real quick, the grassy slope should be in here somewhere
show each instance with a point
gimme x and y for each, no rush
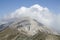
(9, 34)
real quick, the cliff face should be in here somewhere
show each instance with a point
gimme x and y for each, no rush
(27, 29)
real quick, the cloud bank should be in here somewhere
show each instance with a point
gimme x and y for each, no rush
(36, 11)
(41, 14)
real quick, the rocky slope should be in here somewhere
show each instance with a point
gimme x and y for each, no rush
(27, 29)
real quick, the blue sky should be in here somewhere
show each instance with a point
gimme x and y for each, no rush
(8, 6)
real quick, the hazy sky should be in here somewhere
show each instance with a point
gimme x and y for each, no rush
(46, 11)
(8, 6)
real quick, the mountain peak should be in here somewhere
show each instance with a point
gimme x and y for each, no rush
(27, 29)
(29, 26)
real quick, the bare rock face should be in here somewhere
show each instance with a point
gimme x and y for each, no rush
(27, 29)
(29, 26)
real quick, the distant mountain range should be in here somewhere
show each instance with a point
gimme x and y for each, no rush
(27, 28)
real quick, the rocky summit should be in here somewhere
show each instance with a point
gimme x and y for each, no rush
(26, 29)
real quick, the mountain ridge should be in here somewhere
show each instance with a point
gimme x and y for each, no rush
(27, 29)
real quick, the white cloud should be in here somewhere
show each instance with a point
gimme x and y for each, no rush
(36, 11)
(42, 14)
(58, 22)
